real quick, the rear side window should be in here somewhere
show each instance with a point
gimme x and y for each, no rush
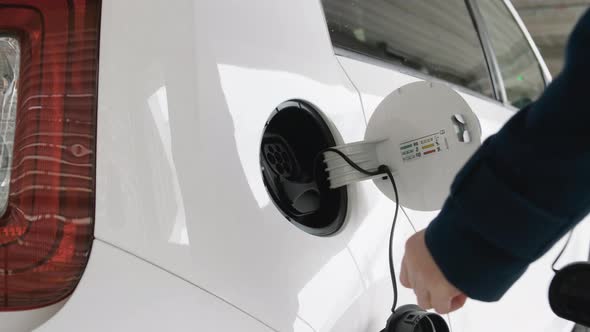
(436, 38)
(520, 69)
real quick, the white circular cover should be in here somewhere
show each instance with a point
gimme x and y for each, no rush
(425, 133)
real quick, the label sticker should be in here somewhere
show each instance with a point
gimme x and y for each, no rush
(424, 146)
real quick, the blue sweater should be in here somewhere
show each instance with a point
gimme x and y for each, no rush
(525, 188)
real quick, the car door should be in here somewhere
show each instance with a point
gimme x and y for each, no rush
(384, 45)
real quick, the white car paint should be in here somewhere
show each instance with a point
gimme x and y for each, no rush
(187, 238)
(124, 293)
(529, 295)
(215, 98)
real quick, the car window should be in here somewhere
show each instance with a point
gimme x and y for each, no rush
(437, 38)
(520, 69)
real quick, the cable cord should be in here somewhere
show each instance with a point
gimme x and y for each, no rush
(565, 245)
(381, 170)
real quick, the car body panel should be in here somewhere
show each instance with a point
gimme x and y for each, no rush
(28, 320)
(182, 106)
(121, 292)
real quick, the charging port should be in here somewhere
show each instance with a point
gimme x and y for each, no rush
(294, 135)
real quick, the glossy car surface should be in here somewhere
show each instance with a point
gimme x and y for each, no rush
(187, 237)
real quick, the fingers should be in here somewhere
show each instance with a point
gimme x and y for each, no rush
(458, 302)
(442, 305)
(423, 297)
(420, 273)
(422, 293)
(445, 301)
(403, 277)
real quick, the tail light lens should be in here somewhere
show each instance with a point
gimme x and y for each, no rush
(48, 85)
(9, 75)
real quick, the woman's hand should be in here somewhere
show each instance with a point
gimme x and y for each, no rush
(420, 273)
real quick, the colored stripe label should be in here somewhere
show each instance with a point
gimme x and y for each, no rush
(424, 146)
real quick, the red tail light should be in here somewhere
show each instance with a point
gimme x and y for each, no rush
(46, 230)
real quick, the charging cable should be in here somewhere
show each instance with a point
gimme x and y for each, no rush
(381, 170)
(565, 245)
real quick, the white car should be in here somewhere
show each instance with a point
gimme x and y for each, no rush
(157, 160)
